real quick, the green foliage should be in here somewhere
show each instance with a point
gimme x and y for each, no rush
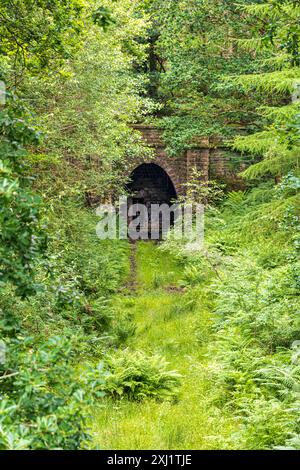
(35, 34)
(81, 94)
(199, 190)
(22, 237)
(175, 324)
(289, 185)
(136, 376)
(87, 71)
(42, 402)
(191, 276)
(218, 68)
(102, 16)
(247, 275)
(235, 201)
(46, 402)
(80, 277)
(254, 367)
(87, 109)
(282, 26)
(277, 31)
(264, 305)
(194, 49)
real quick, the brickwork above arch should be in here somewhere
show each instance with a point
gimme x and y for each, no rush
(209, 158)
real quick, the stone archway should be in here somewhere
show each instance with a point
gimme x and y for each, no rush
(177, 177)
(208, 156)
(152, 193)
(150, 183)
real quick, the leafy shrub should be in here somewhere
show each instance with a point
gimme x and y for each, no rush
(22, 237)
(43, 405)
(135, 376)
(44, 401)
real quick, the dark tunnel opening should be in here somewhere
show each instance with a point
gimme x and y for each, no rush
(150, 185)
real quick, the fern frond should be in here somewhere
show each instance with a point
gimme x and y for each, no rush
(279, 82)
(271, 11)
(252, 44)
(256, 144)
(263, 10)
(282, 113)
(278, 61)
(277, 165)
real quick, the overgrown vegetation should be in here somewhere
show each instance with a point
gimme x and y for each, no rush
(136, 377)
(203, 350)
(176, 325)
(64, 135)
(250, 273)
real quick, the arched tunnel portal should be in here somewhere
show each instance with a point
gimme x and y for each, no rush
(151, 185)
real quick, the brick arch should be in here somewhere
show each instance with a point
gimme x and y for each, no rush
(208, 156)
(168, 169)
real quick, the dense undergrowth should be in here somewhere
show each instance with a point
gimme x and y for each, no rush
(256, 311)
(68, 99)
(252, 263)
(202, 349)
(227, 319)
(69, 320)
(169, 323)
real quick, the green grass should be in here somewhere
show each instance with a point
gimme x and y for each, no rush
(169, 322)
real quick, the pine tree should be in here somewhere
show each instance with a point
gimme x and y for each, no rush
(277, 32)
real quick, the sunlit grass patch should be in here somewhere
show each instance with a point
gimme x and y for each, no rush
(156, 269)
(177, 326)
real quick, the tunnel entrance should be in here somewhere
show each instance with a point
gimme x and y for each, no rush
(151, 185)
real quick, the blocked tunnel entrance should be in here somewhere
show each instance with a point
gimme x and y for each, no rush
(150, 186)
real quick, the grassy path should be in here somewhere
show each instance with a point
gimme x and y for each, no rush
(175, 325)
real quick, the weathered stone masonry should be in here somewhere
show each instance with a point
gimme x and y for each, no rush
(208, 157)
